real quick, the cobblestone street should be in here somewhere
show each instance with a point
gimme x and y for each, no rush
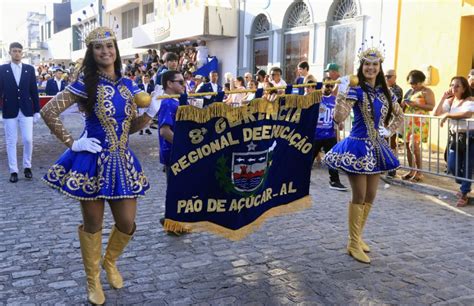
(422, 248)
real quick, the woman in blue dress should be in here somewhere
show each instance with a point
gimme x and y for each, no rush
(365, 153)
(99, 166)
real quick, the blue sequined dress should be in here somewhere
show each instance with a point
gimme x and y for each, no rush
(115, 172)
(364, 151)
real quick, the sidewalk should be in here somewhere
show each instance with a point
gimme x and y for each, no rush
(445, 188)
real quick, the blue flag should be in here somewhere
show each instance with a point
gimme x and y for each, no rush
(212, 65)
(231, 168)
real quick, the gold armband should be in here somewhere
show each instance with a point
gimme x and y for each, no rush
(343, 107)
(51, 111)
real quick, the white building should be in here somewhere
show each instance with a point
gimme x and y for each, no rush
(283, 33)
(123, 16)
(4, 56)
(83, 21)
(29, 36)
(186, 21)
(56, 33)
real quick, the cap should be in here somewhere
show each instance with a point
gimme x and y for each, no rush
(198, 76)
(332, 67)
(261, 72)
(58, 69)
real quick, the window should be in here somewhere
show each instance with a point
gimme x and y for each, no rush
(129, 21)
(48, 33)
(261, 25)
(147, 9)
(299, 16)
(260, 29)
(80, 32)
(345, 9)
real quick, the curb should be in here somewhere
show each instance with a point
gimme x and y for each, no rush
(420, 187)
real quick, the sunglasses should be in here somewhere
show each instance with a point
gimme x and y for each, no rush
(328, 86)
(181, 82)
(388, 76)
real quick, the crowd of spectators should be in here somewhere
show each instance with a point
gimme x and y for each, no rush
(189, 59)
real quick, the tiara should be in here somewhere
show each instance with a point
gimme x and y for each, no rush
(372, 53)
(100, 34)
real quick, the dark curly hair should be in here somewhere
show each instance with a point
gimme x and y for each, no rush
(379, 80)
(416, 76)
(89, 70)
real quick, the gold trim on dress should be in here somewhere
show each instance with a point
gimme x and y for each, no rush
(115, 161)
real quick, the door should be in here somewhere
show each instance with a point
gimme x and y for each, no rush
(296, 50)
(341, 47)
(260, 51)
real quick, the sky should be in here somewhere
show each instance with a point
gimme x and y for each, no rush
(13, 14)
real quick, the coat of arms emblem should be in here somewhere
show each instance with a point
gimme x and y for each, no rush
(249, 168)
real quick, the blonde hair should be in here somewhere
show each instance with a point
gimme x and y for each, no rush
(308, 78)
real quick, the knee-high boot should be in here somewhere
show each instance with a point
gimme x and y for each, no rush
(353, 247)
(363, 245)
(91, 250)
(117, 243)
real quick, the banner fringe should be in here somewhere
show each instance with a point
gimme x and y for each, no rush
(235, 235)
(260, 105)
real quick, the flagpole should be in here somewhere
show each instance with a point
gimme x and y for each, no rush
(212, 93)
(100, 12)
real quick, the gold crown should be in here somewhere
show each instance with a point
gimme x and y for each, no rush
(100, 34)
(371, 54)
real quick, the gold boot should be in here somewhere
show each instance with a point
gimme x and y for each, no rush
(353, 248)
(365, 247)
(91, 249)
(117, 242)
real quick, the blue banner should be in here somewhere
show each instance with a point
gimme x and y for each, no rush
(212, 65)
(231, 168)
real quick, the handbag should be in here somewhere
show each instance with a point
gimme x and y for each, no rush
(460, 140)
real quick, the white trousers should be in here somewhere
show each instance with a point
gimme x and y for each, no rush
(11, 138)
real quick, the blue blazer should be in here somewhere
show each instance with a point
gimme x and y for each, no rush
(159, 72)
(52, 87)
(23, 97)
(150, 87)
(207, 87)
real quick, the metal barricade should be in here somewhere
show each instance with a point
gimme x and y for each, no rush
(431, 145)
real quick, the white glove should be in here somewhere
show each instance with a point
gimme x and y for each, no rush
(91, 145)
(154, 106)
(36, 117)
(384, 132)
(343, 86)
